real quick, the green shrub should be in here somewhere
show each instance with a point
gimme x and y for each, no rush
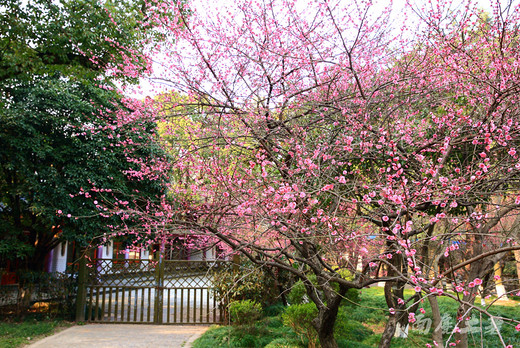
(251, 337)
(351, 298)
(509, 269)
(215, 336)
(259, 335)
(299, 317)
(284, 343)
(244, 312)
(297, 294)
(273, 322)
(246, 282)
(274, 310)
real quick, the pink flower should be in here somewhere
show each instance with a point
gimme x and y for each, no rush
(417, 289)
(391, 310)
(459, 288)
(422, 310)
(411, 317)
(471, 284)
(478, 281)
(517, 328)
(327, 187)
(59, 212)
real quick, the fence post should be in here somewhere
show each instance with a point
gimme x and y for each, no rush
(81, 296)
(159, 287)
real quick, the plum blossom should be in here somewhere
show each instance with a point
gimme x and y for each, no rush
(411, 317)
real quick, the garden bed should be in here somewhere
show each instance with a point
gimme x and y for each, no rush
(360, 325)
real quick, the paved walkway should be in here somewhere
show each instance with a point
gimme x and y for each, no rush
(122, 336)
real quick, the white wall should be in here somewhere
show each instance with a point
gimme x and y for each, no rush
(59, 258)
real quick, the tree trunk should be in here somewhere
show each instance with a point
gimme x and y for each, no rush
(517, 259)
(24, 301)
(325, 324)
(388, 334)
(476, 269)
(463, 312)
(30, 277)
(327, 314)
(461, 338)
(391, 324)
(437, 321)
(326, 337)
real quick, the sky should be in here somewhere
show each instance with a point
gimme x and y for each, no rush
(209, 8)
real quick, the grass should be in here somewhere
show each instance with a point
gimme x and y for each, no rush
(17, 334)
(370, 313)
(360, 326)
(258, 335)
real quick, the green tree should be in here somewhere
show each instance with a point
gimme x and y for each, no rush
(57, 159)
(72, 149)
(83, 39)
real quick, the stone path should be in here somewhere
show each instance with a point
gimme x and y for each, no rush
(123, 336)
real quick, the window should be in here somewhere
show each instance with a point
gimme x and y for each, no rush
(134, 254)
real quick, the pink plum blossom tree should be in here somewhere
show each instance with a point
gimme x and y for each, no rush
(323, 141)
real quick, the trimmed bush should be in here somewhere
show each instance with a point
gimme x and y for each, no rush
(244, 312)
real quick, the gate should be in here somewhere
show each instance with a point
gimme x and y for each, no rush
(148, 291)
